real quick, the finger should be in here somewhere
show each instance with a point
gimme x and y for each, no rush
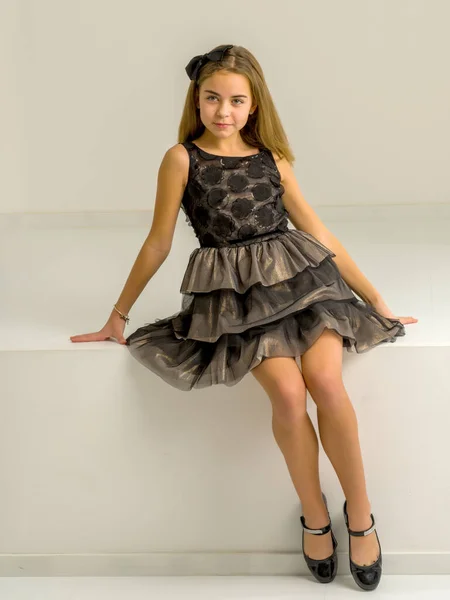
(88, 337)
(407, 320)
(118, 340)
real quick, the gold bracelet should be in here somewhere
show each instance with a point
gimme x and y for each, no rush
(126, 318)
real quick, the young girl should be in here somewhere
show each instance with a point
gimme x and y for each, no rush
(256, 295)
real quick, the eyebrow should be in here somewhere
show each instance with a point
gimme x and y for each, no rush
(217, 94)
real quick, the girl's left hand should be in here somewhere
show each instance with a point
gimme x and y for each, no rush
(381, 308)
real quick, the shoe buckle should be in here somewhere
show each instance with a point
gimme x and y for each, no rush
(369, 531)
(314, 531)
(363, 533)
(321, 531)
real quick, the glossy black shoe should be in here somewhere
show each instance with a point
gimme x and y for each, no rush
(324, 570)
(367, 577)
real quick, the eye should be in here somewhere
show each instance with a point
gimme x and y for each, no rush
(238, 99)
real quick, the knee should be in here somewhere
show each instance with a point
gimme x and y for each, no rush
(289, 402)
(326, 389)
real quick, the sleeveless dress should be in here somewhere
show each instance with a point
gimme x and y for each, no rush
(253, 288)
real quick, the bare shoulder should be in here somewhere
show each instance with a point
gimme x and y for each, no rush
(177, 158)
(172, 179)
(284, 167)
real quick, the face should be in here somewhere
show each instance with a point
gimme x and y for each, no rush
(225, 98)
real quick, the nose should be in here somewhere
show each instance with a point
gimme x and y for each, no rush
(223, 112)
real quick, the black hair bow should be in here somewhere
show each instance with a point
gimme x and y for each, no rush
(196, 63)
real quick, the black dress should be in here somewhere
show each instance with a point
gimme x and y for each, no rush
(254, 288)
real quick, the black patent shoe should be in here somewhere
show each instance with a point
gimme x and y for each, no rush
(323, 570)
(367, 577)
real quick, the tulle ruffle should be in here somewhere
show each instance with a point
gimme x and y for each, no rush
(275, 258)
(244, 303)
(207, 316)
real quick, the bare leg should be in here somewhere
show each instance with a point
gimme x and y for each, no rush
(295, 435)
(338, 428)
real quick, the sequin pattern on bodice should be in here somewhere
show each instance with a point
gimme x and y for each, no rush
(228, 200)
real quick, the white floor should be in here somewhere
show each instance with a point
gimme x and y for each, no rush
(431, 587)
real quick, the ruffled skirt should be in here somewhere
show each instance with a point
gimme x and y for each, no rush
(245, 302)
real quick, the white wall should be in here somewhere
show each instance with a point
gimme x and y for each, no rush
(14, 138)
(92, 93)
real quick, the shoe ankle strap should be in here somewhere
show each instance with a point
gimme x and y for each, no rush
(321, 531)
(362, 533)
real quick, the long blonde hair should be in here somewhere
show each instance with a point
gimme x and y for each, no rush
(263, 128)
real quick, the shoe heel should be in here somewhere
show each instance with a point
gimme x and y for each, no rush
(323, 570)
(366, 577)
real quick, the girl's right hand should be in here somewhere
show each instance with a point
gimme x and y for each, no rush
(113, 329)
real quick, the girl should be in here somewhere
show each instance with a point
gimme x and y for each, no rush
(256, 295)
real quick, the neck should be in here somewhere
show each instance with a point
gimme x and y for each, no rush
(232, 145)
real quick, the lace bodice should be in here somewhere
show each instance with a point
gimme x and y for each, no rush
(232, 199)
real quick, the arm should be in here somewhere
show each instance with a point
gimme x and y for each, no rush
(172, 179)
(304, 218)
